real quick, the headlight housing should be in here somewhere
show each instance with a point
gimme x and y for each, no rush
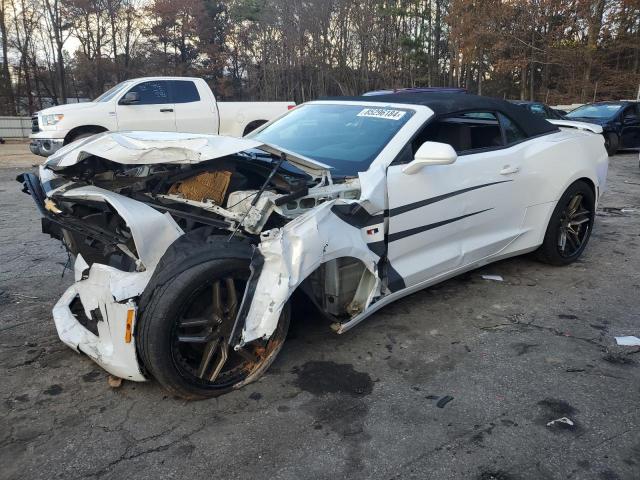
(51, 119)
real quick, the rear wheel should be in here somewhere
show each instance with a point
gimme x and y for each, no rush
(570, 226)
(611, 143)
(183, 335)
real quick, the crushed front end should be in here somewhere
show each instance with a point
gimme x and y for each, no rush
(119, 201)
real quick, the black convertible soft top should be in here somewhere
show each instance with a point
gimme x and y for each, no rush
(449, 103)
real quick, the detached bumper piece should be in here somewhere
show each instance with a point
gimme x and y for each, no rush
(90, 321)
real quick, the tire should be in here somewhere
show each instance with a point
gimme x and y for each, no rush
(611, 143)
(252, 126)
(181, 285)
(581, 221)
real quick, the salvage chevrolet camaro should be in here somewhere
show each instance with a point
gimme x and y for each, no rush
(188, 248)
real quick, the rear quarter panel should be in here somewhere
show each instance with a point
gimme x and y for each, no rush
(551, 164)
(555, 161)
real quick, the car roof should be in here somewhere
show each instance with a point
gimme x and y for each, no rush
(396, 91)
(612, 102)
(524, 102)
(449, 103)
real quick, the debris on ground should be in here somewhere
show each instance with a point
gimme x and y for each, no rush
(443, 401)
(114, 382)
(495, 278)
(562, 420)
(628, 341)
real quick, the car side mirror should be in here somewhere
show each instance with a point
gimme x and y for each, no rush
(431, 153)
(130, 98)
(628, 119)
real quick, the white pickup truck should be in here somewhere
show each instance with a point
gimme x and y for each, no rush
(169, 104)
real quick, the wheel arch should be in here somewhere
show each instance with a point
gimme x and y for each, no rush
(294, 253)
(74, 132)
(251, 126)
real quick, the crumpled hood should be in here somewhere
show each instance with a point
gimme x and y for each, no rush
(144, 148)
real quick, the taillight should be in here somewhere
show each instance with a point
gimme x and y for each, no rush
(291, 107)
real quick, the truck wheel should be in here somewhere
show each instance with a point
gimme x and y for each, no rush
(183, 332)
(570, 226)
(252, 126)
(611, 143)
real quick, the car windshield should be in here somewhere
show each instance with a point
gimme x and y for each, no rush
(346, 137)
(595, 111)
(109, 94)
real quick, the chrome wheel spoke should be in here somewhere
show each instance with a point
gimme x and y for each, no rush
(207, 356)
(562, 240)
(195, 338)
(573, 241)
(574, 204)
(232, 299)
(224, 352)
(194, 322)
(218, 314)
(202, 339)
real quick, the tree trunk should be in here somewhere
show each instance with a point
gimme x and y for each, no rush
(7, 86)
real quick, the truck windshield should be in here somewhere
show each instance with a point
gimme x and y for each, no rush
(595, 111)
(113, 91)
(346, 137)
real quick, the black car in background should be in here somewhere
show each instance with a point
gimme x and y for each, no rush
(540, 109)
(620, 122)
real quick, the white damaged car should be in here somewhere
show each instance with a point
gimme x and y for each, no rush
(188, 248)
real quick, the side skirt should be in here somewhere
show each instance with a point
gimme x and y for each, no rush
(344, 327)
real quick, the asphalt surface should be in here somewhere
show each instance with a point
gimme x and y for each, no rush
(513, 355)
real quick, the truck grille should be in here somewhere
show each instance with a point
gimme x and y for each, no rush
(34, 124)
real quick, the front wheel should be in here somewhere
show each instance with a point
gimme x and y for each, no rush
(611, 143)
(570, 226)
(183, 335)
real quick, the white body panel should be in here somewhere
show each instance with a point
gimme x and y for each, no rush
(481, 208)
(205, 115)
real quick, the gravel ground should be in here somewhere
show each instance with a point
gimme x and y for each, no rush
(514, 355)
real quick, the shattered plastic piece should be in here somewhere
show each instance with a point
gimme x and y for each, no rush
(565, 420)
(496, 278)
(114, 382)
(443, 401)
(628, 341)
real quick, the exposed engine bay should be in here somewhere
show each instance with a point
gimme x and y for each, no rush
(138, 210)
(239, 194)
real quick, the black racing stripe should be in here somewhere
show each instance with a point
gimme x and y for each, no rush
(395, 282)
(379, 248)
(413, 231)
(356, 215)
(429, 201)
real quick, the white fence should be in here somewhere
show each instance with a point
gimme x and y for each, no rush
(15, 127)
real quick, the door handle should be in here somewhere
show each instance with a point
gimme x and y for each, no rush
(509, 170)
(166, 109)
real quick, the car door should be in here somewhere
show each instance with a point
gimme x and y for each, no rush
(153, 111)
(194, 113)
(630, 127)
(447, 216)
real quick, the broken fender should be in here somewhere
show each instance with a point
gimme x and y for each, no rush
(292, 253)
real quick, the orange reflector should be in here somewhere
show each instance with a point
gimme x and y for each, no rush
(131, 313)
